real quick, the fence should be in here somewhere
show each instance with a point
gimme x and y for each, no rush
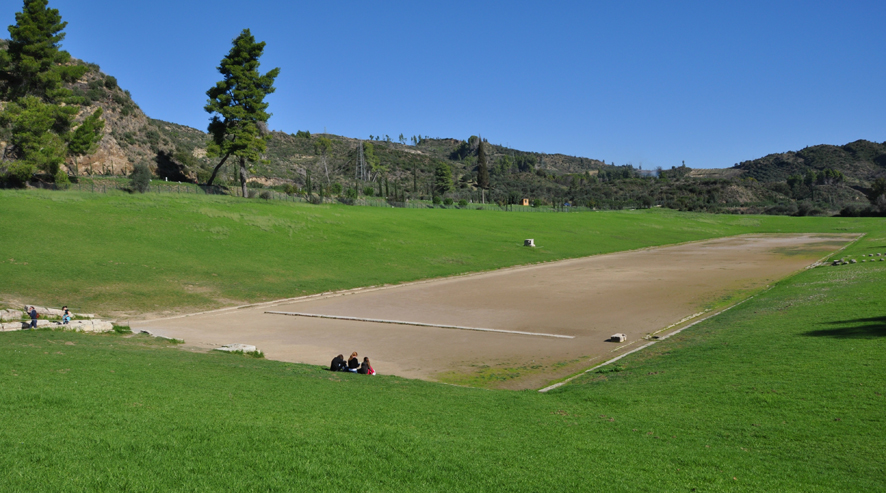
(109, 184)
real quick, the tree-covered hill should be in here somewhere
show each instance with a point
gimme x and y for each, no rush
(861, 162)
(62, 118)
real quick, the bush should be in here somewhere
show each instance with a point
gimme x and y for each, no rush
(265, 195)
(436, 200)
(351, 193)
(447, 201)
(20, 173)
(140, 179)
(122, 329)
(61, 180)
(462, 203)
(335, 189)
(111, 82)
(368, 191)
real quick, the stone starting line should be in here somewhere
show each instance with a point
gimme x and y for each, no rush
(418, 324)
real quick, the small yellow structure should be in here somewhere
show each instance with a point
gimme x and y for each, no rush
(525, 201)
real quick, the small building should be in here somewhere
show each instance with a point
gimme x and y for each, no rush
(525, 201)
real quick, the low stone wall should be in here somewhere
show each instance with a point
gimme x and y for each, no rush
(12, 315)
(94, 326)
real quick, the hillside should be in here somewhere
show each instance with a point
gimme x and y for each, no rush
(823, 179)
(861, 162)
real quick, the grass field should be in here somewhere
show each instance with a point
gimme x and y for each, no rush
(782, 393)
(124, 254)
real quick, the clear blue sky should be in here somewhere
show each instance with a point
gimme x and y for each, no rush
(642, 82)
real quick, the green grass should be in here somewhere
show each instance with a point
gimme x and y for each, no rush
(112, 253)
(783, 393)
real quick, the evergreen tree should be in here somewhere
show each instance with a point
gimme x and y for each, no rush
(442, 178)
(33, 70)
(34, 64)
(84, 139)
(239, 121)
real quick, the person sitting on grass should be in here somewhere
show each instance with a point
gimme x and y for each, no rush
(33, 313)
(366, 368)
(353, 363)
(67, 315)
(338, 363)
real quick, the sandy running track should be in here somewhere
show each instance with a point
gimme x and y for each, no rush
(636, 293)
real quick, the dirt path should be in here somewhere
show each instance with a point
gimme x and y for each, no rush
(591, 298)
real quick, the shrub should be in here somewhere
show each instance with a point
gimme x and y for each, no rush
(436, 200)
(447, 201)
(61, 180)
(140, 179)
(19, 173)
(265, 195)
(335, 189)
(462, 203)
(368, 191)
(351, 193)
(111, 82)
(122, 329)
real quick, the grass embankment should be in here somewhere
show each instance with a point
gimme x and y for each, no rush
(783, 393)
(120, 253)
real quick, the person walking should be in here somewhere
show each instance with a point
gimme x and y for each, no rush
(33, 313)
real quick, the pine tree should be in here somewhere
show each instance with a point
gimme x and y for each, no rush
(35, 64)
(33, 71)
(442, 178)
(84, 139)
(239, 123)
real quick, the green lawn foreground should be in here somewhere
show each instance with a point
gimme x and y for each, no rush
(118, 254)
(782, 393)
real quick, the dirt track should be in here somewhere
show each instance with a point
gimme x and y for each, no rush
(636, 293)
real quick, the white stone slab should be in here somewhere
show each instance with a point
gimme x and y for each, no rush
(231, 348)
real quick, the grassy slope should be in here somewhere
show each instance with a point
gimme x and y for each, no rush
(783, 393)
(112, 253)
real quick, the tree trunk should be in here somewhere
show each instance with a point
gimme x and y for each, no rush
(326, 168)
(217, 167)
(243, 177)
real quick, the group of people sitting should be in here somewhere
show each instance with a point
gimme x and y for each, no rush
(352, 365)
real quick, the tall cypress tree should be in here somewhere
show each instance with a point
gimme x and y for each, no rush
(239, 123)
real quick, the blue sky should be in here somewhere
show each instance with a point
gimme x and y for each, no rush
(641, 82)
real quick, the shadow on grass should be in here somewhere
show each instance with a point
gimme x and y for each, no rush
(860, 328)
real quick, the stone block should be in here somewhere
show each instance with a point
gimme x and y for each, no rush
(10, 315)
(530, 242)
(618, 338)
(230, 348)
